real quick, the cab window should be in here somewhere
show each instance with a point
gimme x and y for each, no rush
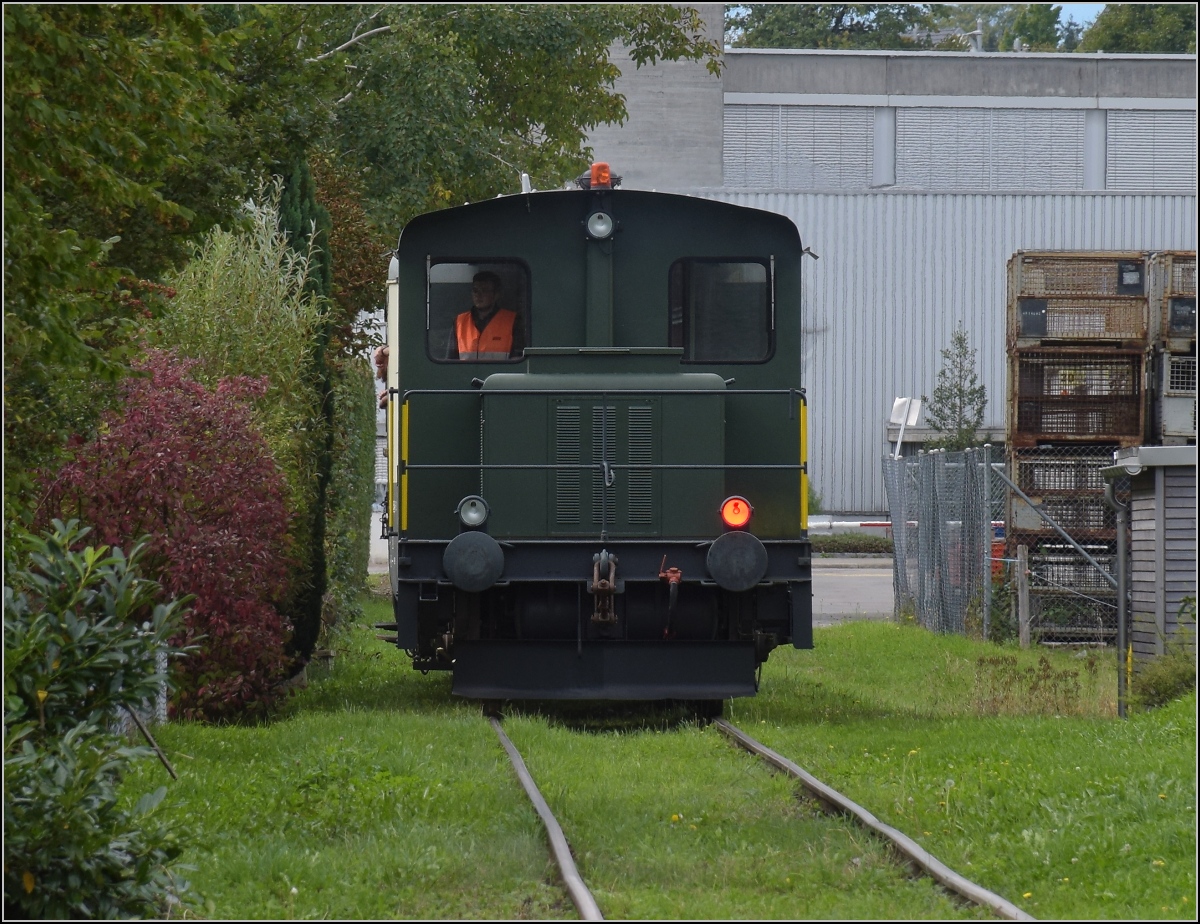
(720, 310)
(478, 310)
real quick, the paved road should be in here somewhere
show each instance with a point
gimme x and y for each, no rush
(843, 588)
(851, 588)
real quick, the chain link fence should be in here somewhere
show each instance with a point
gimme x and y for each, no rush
(957, 525)
(942, 506)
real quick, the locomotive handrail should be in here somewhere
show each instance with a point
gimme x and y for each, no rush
(598, 391)
(792, 393)
(640, 466)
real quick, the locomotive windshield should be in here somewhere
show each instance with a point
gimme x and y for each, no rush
(478, 311)
(720, 311)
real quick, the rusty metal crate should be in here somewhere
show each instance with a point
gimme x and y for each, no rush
(1079, 318)
(1173, 298)
(1066, 483)
(1181, 273)
(1052, 274)
(1090, 396)
(1069, 571)
(1053, 470)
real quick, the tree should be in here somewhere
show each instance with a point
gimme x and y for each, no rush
(103, 106)
(956, 411)
(1038, 25)
(437, 104)
(1143, 28)
(360, 248)
(828, 25)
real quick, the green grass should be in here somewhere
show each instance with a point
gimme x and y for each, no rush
(375, 794)
(677, 825)
(1070, 813)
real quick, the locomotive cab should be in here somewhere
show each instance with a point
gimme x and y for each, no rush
(597, 478)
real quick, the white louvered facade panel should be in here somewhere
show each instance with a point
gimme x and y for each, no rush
(1151, 150)
(798, 147)
(992, 149)
(897, 271)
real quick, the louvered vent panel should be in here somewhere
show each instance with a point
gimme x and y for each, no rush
(751, 146)
(604, 434)
(799, 147)
(984, 149)
(641, 451)
(1151, 150)
(566, 452)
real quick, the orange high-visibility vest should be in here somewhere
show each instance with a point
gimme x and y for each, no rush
(493, 342)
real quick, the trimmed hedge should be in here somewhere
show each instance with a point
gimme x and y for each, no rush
(851, 542)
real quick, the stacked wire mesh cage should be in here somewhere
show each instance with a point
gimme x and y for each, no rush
(1173, 314)
(1079, 346)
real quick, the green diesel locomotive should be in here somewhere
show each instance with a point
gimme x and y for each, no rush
(596, 445)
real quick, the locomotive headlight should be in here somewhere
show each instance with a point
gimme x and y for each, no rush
(599, 225)
(472, 511)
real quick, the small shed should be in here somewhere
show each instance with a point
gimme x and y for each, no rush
(1162, 518)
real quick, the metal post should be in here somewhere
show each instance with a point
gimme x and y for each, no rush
(924, 560)
(1023, 594)
(987, 540)
(1122, 593)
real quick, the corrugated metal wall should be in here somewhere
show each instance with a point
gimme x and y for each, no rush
(897, 271)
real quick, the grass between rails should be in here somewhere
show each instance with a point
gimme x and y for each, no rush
(675, 825)
(377, 795)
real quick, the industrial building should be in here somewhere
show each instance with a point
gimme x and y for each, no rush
(914, 177)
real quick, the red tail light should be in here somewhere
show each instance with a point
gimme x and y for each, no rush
(735, 512)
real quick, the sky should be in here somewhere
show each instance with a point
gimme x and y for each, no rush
(1080, 12)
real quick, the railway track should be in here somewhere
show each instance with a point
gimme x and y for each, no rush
(903, 846)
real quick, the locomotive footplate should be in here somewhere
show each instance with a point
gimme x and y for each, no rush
(603, 670)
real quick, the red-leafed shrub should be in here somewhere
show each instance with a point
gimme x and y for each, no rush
(186, 466)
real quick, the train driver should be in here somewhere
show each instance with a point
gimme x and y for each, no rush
(487, 331)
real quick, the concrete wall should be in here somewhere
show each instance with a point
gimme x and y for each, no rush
(914, 74)
(673, 135)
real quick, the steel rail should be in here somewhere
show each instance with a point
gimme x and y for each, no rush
(588, 909)
(907, 846)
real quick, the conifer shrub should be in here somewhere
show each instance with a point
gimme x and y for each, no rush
(83, 632)
(186, 465)
(351, 490)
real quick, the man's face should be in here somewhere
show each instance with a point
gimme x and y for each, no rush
(483, 295)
